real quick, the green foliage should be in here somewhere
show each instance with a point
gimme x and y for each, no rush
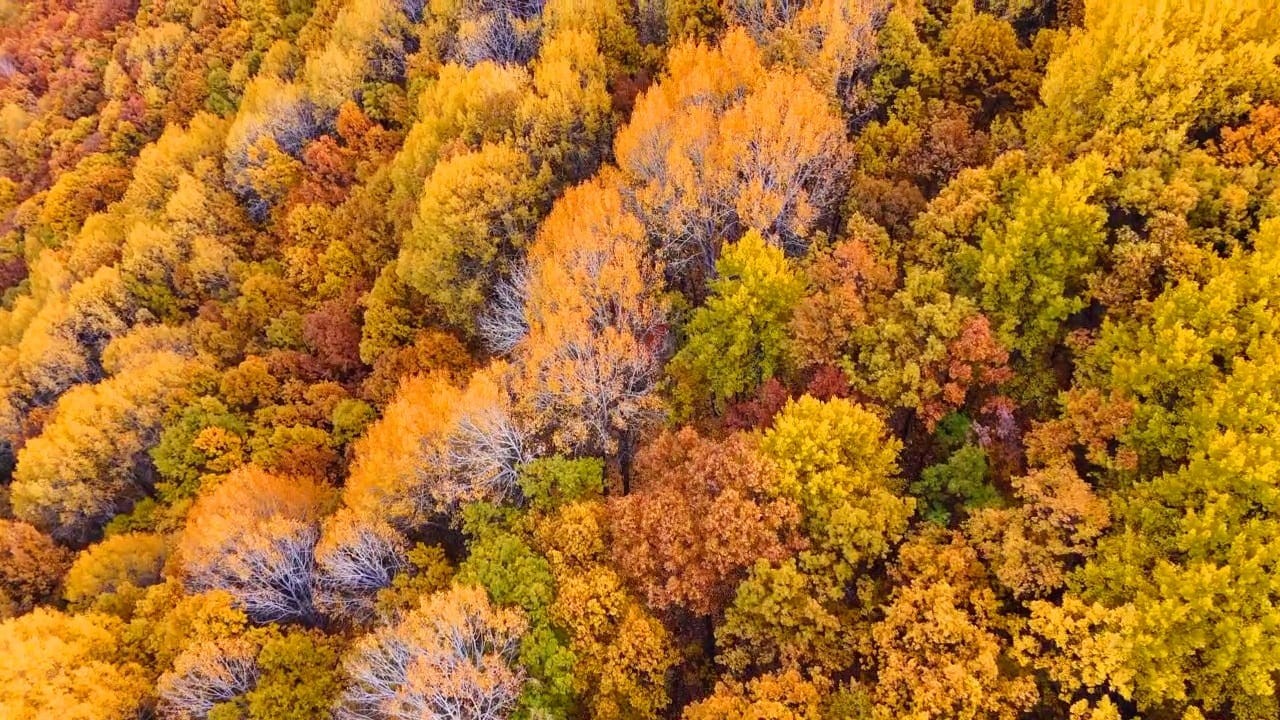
(350, 418)
(549, 691)
(206, 438)
(738, 339)
(550, 482)
(511, 571)
(299, 677)
(956, 485)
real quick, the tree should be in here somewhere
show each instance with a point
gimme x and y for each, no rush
(940, 650)
(254, 535)
(983, 65)
(167, 621)
(355, 558)
(476, 212)
(367, 43)
(111, 575)
(402, 454)
(721, 145)
(464, 108)
(1031, 548)
(205, 439)
(567, 121)
(623, 653)
(1032, 262)
(700, 514)
(501, 31)
(31, 568)
(790, 616)
(71, 666)
(84, 468)
(781, 696)
(550, 482)
(206, 675)
(917, 347)
(490, 442)
(298, 677)
(95, 182)
(272, 112)
(837, 465)
(846, 283)
(437, 446)
(453, 656)
(1182, 567)
(596, 322)
(1139, 75)
(739, 339)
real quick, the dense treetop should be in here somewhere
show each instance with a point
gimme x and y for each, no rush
(639, 359)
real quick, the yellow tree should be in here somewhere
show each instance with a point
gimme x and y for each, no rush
(595, 322)
(1141, 75)
(452, 656)
(254, 535)
(113, 574)
(205, 675)
(462, 108)
(83, 468)
(69, 666)
(437, 446)
(477, 212)
(401, 454)
(567, 120)
(623, 653)
(942, 649)
(721, 144)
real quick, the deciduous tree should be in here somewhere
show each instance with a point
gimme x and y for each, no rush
(454, 656)
(739, 338)
(31, 567)
(254, 535)
(700, 514)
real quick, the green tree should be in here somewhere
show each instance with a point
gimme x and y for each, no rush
(476, 212)
(739, 338)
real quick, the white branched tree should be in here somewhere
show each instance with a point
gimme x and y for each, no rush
(206, 674)
(503, 325)
(356, 557)
(453, 657)
(597, 322)
(500, 31)
(488, 444)
(254, 535)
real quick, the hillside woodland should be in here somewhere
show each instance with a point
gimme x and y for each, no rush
(639, 359)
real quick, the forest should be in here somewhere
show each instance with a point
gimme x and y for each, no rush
(639, 359)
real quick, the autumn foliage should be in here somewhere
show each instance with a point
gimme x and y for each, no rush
(637, 360)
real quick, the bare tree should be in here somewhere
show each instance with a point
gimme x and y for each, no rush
(485, 452)
(355, 558)
(503, 324)
(254, 536)
(501, 31)
(205, 675)
(451, 658)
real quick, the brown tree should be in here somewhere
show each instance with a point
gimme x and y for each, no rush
(700, 514)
